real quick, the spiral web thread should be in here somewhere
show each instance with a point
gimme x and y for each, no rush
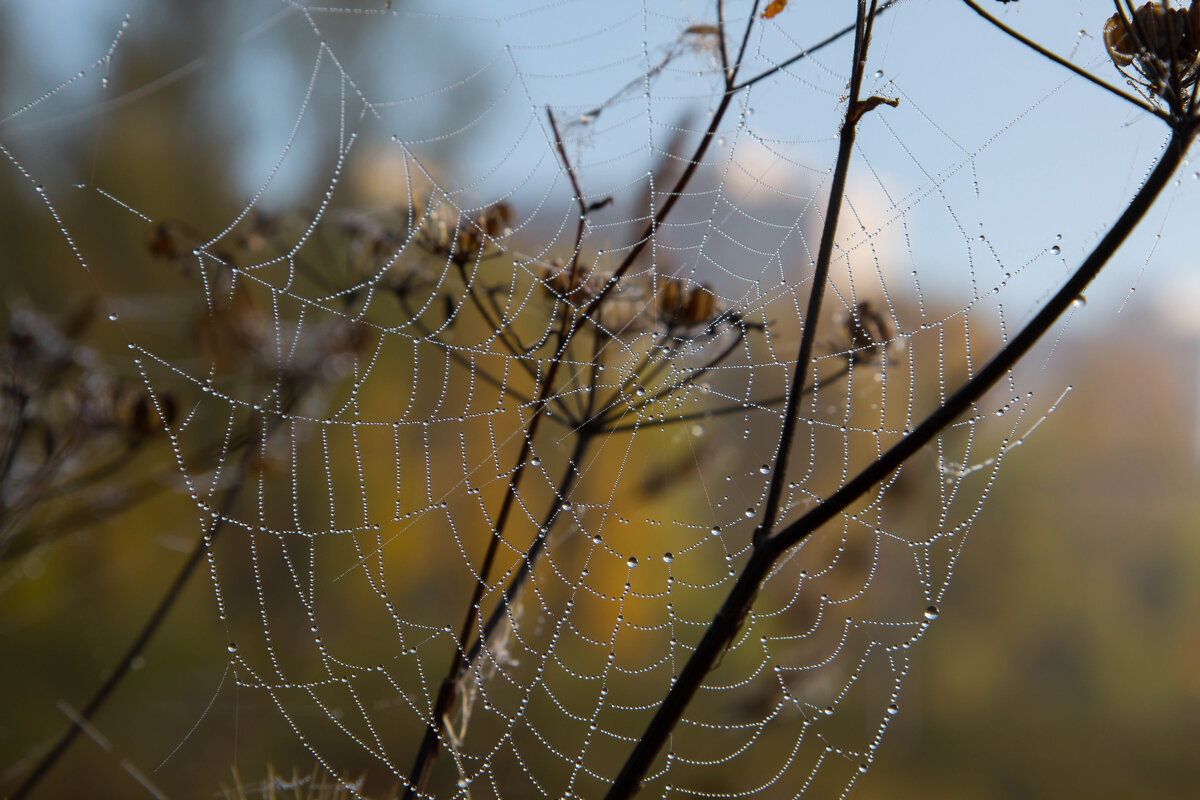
(360, 370)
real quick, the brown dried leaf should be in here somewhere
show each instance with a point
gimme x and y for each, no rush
(773, 8)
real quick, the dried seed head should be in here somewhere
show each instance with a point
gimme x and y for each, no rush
(687, 308)
(701, 306)
(1159, 42)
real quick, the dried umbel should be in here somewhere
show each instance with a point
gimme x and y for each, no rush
(1159, 43)
(465, 240)
(680, 306)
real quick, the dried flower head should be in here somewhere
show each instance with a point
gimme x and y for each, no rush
(1159, 44)
(866, 335)
(686, 307)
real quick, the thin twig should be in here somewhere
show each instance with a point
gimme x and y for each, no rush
(151, 626)
(721, 41)
(729, 617)
(724, 625)
(1057, 59)
(684, 178)
(427, 752)
(1004, 360)
(570, 477)
(724, 410)
(808, 51)
(854, 112)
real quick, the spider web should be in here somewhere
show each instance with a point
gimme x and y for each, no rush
(348, 362)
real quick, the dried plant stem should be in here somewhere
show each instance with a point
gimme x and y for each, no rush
(685, 177)
(521, 576)
(154, 622)
(854, 111)
(723, 627)
(427, 752)
(1057, 59)
(1000, 364)
(728, 619)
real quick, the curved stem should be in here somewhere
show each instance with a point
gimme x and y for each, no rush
(1057, 59)
(1004, 360)
(728, 619)
(150, 627)
(854, 111)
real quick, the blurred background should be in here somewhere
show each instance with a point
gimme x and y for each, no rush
(1065, 660)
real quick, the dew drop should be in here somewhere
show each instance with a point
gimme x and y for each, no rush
(716, 530)
(764, 469)
(668, 557)
(535, 461)
(878, 73)
(1079, 302)
(113, 317)
(1056, 250)
(641, 391)
(632, 562)
(749, 512)
(932, 612)
(566, 506)
(232, 647)
(893, 709)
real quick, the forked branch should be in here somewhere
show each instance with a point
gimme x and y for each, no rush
(729, 617)
(737, 604)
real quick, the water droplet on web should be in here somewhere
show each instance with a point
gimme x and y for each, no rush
(232, 647)
(1056, 250)
(749, 512)
(641, 392)
(829, 711)
(566, 506)
(632, 562)
(893, 709)
(668, 557)
(716, 530)
(1079, 302)
(878, 73)
(764, 469)
(113, 318)
(932, 613)
(535, 461)
(104, 83)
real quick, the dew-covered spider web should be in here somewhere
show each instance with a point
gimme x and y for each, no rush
(427, 298)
